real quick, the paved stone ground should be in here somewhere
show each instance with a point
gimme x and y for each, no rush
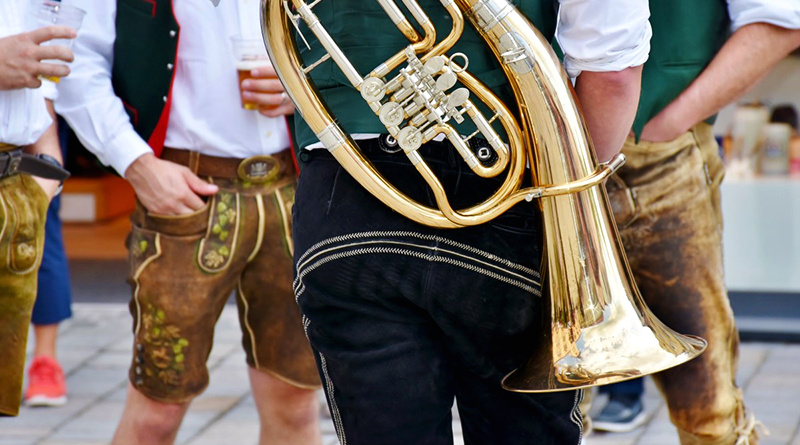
(94, 349)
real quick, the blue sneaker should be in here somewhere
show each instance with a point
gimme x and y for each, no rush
(620, 415)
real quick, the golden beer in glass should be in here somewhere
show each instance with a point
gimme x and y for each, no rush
(244, 69)
(249, 53)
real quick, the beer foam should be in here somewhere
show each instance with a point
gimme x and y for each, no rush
(247, 65)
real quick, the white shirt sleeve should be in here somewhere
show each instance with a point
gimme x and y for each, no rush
(603, 35)
(783, 13)
(86, 97)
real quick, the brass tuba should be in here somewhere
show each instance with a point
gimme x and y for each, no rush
(601, 331)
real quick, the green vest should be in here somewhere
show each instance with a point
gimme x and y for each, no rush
(686, 36)
(365, 34)
(145, 50)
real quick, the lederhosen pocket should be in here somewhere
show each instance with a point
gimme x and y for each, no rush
(144, 241)
(24, 211)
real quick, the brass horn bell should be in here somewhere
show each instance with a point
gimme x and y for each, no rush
(601, 331)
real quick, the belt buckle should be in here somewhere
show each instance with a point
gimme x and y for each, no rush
(12, 163)
(259, 169)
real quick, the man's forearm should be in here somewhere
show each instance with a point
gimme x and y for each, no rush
(609, 101)
(746, 58)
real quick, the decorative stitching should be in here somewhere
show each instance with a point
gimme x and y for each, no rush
(283, 203)
(261, 224)
(215, 252)
(162, 351)
(246, 321)
(22, 251)
(577, 417)
(439, 250)
(337, 416)
(306, 323)
(422, 236)
(135, 277)
(304, 270)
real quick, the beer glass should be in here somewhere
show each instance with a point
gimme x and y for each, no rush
(249, 53)
(43, 13)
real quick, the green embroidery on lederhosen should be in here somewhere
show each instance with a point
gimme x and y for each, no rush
(162, 353)
(216, 249)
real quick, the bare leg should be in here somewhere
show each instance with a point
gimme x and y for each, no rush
(45, 336)
(289, 415)
(148, 422)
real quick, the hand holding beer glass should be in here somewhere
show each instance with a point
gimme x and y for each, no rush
(259, 86)
(50, 13)
(20, 64)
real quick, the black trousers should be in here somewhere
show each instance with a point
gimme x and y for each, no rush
(405, 318)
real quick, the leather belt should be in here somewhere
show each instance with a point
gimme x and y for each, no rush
(16, 161)
(256, 169)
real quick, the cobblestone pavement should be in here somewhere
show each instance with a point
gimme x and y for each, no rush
(94, 348)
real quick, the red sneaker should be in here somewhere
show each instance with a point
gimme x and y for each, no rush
(46, 383)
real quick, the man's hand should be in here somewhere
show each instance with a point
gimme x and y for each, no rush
(166, 188)
(21, 57)
(729, 75)
(663, 128)
(266, 90)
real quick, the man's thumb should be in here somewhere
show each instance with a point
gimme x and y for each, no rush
(199, 186)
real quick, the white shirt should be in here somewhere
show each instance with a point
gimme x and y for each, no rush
(23, 113)
(603, 35)
(206, 114)
(783, 13)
